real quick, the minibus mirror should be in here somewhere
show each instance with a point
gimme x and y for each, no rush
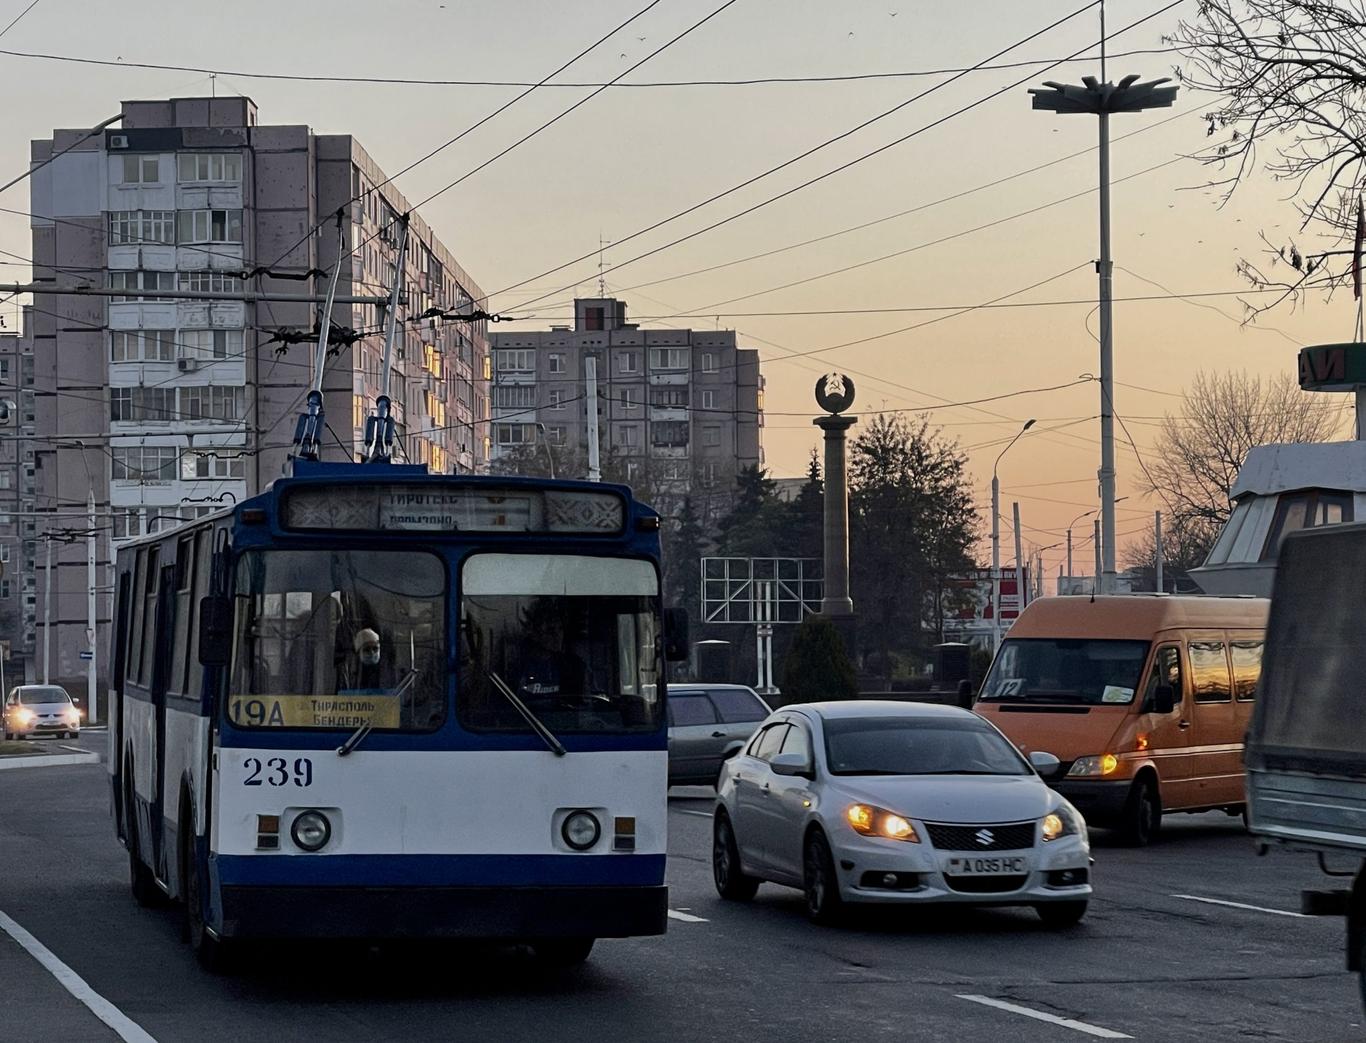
(215, 631)
(1045, 764)
(792, 764)
(965, 694)
(675, 635)
(1164, 699)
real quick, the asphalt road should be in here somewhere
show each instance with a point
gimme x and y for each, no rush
(1146, 963)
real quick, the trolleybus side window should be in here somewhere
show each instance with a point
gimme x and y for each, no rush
(184, 561)
(339, 638)
(202, 543)
(148, 636)
(138, 606)
(574, 638)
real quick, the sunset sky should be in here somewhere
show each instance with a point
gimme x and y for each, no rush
(634, 155)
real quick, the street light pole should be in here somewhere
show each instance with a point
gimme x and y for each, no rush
(996, 541)
(1079, 517)
(1101, 99)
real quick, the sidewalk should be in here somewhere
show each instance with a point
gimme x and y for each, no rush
(20, 753)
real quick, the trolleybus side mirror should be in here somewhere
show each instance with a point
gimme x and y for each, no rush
(215, 631)
(1164, 699)
(675, 635)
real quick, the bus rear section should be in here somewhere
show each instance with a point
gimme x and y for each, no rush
(435, 737)
(1145, 700)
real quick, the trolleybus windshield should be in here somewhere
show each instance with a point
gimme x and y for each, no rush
(575, 638)
(339, 639)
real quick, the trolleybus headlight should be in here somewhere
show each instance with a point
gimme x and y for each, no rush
(311, 830)
(580, 830)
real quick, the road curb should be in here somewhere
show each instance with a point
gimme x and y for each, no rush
(46, 760)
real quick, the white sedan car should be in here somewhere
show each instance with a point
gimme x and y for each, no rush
(871, 801)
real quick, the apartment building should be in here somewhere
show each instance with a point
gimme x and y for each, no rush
(680, 410)
(166, 407)
(19, 545)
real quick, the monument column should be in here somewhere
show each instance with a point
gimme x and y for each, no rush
(835, 394)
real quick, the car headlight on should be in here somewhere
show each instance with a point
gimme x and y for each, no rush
(311, 830)
(73, 717)
(1093, 767)
(1060, 822)
(871, 821)
(24, 716)
(580, 830)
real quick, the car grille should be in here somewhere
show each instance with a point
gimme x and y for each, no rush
(980, 885)
(1012, 836)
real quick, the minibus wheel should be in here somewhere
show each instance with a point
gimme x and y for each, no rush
(1142, 814)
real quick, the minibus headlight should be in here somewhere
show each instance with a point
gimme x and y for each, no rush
(1094, 767)
(580, 830)
(311, 830)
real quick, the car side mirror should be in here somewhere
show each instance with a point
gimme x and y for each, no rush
(215, 631)
(792, 764)
(1047, 765)
(965, 694)
(1164, 699)
(676, 642)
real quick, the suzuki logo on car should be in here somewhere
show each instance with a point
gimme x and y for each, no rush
(985, 837)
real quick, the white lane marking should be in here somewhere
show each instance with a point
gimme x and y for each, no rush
(125, 1028)
(674, 914)
(699, 814)
(1243, 905)
(1052, 1019)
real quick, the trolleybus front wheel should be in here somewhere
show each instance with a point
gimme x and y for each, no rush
(563, 952)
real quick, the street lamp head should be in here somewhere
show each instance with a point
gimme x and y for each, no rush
(1028, 424)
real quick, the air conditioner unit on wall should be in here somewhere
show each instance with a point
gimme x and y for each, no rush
(118, 140)
(187, 365)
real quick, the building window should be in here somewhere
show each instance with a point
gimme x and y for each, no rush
(120, 404)
(557, 399)
(674, 470)
(629, 397)
(709, 363)
(668, 358)
(519, 361)
(711, 436)
(147, 404)
(210, 166)
(555, 361)
(140, 280)
(516, 396)
(669, 397)
(213, 402)
(555, 435)
(200, 465)
(630, 435)
(669, 433)
(210, 282)
(514, 434)
(707, 475)
(144, 463)
(708, 399)
(209, 226)
(211, 345)
(141, 170)
(141, 226)
(627, 362)
(141, 345)
(593, 318)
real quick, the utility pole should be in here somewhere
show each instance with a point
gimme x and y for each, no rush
(590, 381)
(47, 612)
(1095, 583)
(1021, 594)
(996, 541)
(1157, 543)
(92, 645)
(1101, 99)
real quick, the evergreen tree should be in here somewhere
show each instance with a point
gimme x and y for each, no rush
(817, 666)
(808, 514)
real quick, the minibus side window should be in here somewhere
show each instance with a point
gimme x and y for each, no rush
(1209, 672)
(1166, 670)
(1247, 667)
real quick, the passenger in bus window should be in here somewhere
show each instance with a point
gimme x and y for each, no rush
(364, 672)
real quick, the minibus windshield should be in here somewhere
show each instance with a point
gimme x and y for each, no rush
(574, 639)
(1067, 670)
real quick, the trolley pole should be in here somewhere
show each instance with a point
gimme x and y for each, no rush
(47, 612)
(1157, 544)
(92, 664)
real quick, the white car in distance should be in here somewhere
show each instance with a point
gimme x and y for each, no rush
(905, 803)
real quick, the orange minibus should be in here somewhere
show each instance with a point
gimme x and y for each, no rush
(1145, 700)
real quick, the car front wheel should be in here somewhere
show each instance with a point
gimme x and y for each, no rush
(731, 881)
(1061, 914)
(823, 902)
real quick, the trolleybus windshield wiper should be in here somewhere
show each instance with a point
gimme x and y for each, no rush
(358, 736)
(547, 736)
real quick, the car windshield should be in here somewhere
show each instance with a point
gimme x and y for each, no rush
(905, 746)
(43, 696)
(574, 639)
(335, 639)
(1069, 670)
